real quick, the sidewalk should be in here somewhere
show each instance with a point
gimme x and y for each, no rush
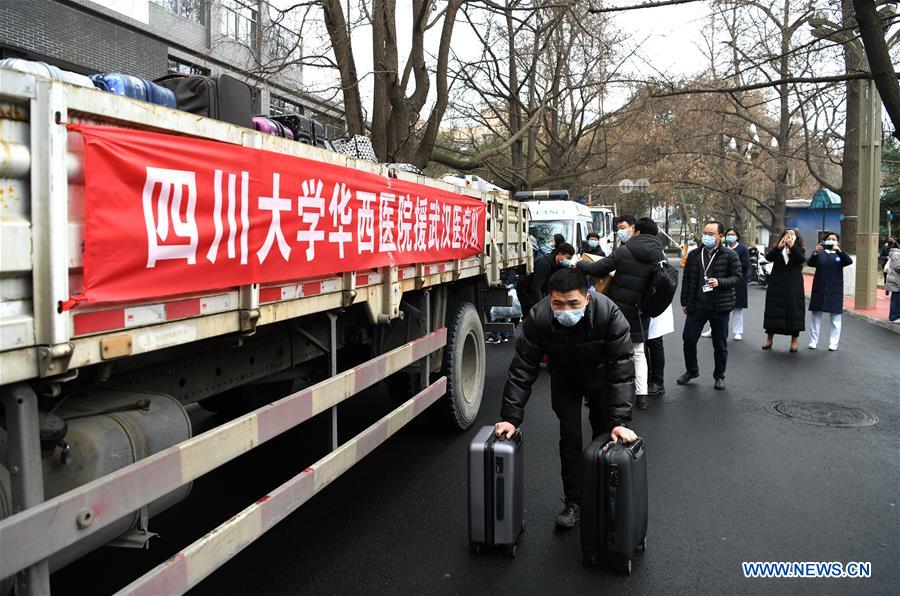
(877, 315)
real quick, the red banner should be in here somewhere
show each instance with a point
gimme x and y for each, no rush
(169, 215)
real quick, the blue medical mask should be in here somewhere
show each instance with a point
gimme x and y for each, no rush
(731, 239)
(624, 234)
(568, 318)
(565, 263)
(593, 243)
(708, 241)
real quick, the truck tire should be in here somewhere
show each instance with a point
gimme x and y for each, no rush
(463, 365)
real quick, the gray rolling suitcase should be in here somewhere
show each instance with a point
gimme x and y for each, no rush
(496, 491)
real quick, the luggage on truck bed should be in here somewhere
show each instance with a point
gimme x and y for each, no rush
(135, 88)
(614, 501)
(269, 126)
(357, 146)
(223, 97)
(302, 127)
(46, 70)
(496, 491)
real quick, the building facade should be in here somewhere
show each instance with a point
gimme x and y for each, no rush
(247, 39)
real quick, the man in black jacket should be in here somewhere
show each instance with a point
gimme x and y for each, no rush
(544, 267)
(633, 262)
(589, 355)
(711, 274)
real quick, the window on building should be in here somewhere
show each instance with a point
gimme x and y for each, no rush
(179, 66)
(286, 47)
(279, 106)
(194, 10)
(237, 21)
(333, 131)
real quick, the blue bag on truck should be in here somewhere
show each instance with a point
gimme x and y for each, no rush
(135, 88)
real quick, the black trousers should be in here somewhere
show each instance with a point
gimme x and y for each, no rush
(656, 357)
(566, 399)
(693, 327)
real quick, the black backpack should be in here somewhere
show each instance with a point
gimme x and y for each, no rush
(661, 292)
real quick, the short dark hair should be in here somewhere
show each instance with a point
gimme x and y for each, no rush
(565, 249)
(558, 239)
(718, 223)
(627, 218)
(736, 233)
(568, 279)
(835, 234)
(645, 225)
(593, 235)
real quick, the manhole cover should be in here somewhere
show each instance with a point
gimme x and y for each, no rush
(823, 413)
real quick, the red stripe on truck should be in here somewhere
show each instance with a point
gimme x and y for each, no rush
(270, 294)
(312, 288)
(182, 309)
(95, 322)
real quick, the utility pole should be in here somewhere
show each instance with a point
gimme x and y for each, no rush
(869, 195)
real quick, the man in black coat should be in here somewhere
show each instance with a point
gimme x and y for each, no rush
(633, 262)
(592, 245)
(544, 267)
(711, 274)
(589, 355)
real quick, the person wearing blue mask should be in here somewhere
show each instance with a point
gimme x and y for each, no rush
(592, 245)
(711, 274)
(827, 289)
(733, 241)
(589, 357)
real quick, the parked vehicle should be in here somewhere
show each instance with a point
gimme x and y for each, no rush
(552, 213)
(97, 367)
(604, 219)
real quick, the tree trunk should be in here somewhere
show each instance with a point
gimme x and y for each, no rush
(849, 190)
(336, 25)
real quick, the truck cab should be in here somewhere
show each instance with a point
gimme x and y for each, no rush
(604, 220)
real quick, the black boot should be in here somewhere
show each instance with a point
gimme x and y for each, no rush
(641, 402)
(686, 378)
(655, 389)
(569, 516)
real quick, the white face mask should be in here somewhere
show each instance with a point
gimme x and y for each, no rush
(624, 234)
(569, 318)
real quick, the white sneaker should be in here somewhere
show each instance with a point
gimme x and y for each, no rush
(706, 333)
(812, 345)
(832, 347)
(738, 337)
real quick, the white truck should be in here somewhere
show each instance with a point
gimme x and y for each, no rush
(95, 438)
(551, 212)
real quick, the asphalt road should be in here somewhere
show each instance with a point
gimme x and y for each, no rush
(729, 482)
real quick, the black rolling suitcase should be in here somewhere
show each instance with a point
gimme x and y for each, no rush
(614, 502)
(496, 491)
(224, 97)
(302, 127)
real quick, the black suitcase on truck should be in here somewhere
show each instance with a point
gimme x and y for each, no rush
(496, 491)
(614, 501)
(224, 97)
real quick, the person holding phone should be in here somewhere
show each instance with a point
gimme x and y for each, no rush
(827, 289)
(785, 312)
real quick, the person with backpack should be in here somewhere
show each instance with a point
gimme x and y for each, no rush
(711, 275)
(634, 263)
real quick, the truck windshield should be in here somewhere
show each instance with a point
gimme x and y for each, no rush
(543, 231)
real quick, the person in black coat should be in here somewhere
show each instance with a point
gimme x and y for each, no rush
(544, 267)
(785, 302)
(592, 245)
(711, 274)
(589, 356)
(733, 241)
(827, 289)
(633, 262)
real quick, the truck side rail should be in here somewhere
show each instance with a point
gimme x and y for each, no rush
(33, 535)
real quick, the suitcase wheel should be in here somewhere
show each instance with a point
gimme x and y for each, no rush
(511, 550)
(475, 548)
(642, 547)
(625, 567)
